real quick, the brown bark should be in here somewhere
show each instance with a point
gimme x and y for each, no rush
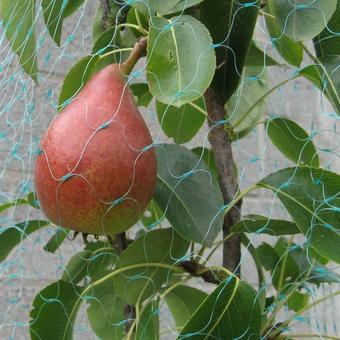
(106, 12)
(227, 177)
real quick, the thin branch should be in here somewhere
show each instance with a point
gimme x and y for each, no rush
(138, 51)
(222, 150)
(106, 13)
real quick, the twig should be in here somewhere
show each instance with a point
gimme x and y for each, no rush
(138, 51)
(221, 146)
(106, 13)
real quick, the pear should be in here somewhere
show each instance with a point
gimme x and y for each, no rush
(96, 168)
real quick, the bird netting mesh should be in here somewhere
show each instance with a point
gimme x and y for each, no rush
(284, 112)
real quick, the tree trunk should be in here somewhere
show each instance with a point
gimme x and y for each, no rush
(227, 177)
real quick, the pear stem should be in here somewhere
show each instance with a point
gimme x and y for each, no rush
(137, 52)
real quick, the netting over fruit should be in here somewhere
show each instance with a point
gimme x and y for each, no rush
(76, 155)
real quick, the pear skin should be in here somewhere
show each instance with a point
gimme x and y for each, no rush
(96, 169)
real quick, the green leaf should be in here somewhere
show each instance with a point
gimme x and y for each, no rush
(12, 236)
(183, 4)
(150, 7)
(33, 200)
(326, 76)
(297, 301)
(264, 225)
(208, 156)
(18, 20)
(268, 256)
(311, 197)
(181, 123)
(72, 6)
(242, 114)
(5, 206)
(292, 263)
(75, 79)
(107, 42)
(106, 312)
(183, 302)
(76, 268)
(302, 19)
(94, 258)
(327, 43)
(189, 194)
(141, 93)
(132, 19)
(98, 28)
(158, 246)
(293, 141)
(258, 58)
(103, 259)
(56, 240)
(53, 15)
(51, 313)
(290, 50)
(152, 215)
(231, 311)
(231, 25)
(148, 325)
(175, 78)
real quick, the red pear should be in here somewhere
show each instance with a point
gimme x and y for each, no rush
(96, 168)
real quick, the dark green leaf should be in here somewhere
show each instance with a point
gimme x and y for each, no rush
(151, 7)
(53, 15)
(54, 311)
(56, 240)
(106, 43)
(141, 93)
(76, 268)
(75, 79)
(293, 141)
(5, 206)
(268, 256)
(291, 263)
(231, 25)
(290, 50)
(132, 19)
(98, 28)
(12, 236)
(326, 76)
(175, 78)
(189, 194)
(158, 246)
(258, 58)
(106, 312)
(311, 196)
(103, 258)
(231, 311)
(18, 20)
(181, 123)
(72, 6)
(327, 43)
(264, 225)
(301, 264)
(183, 302)
(33, 200)
(302, 19)
(208, 156)
(148, 325)
(297, 301)
(153, 215)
